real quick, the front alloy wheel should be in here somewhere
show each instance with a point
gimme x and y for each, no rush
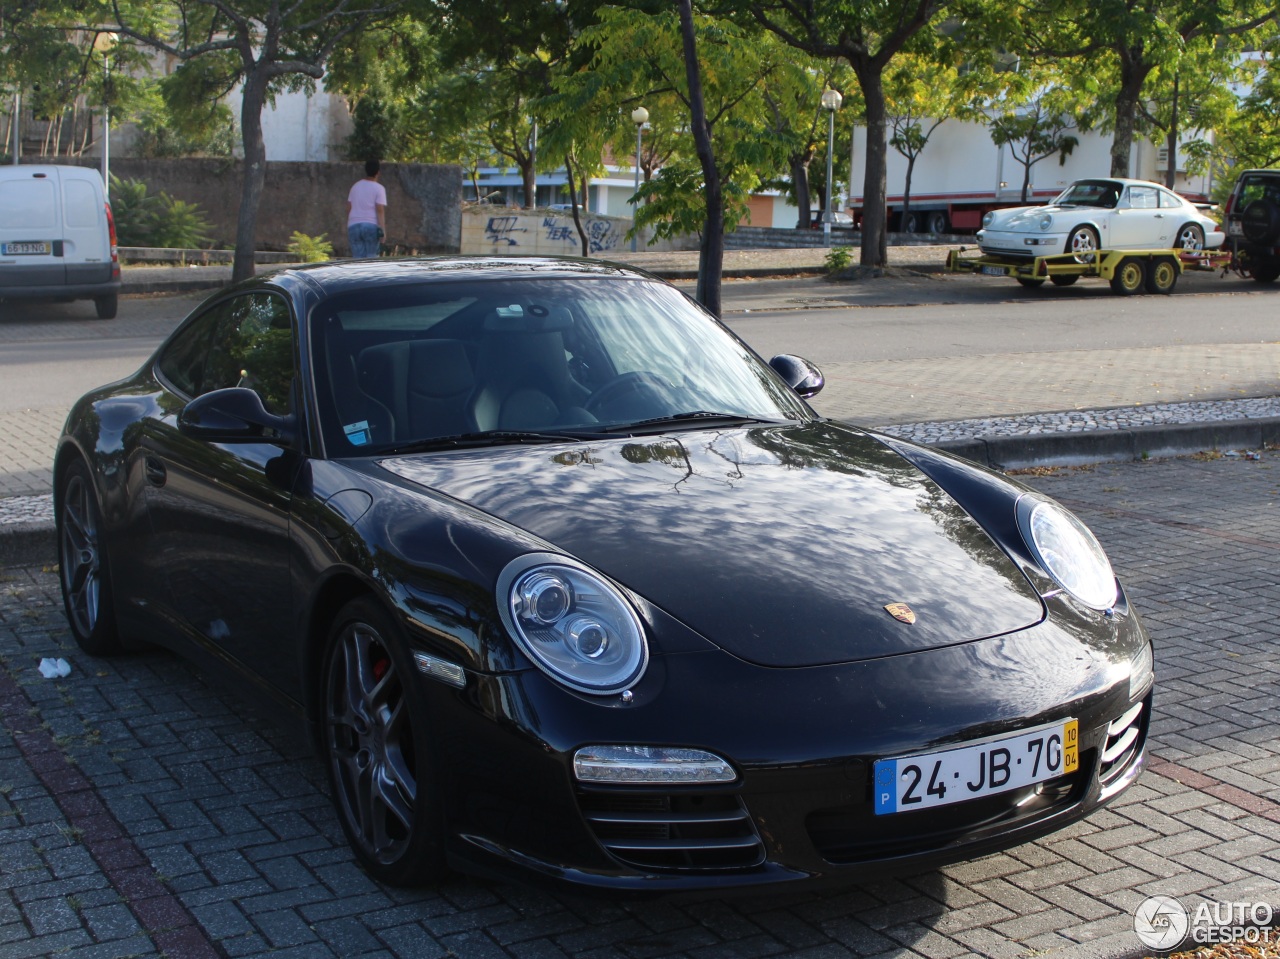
(82, 564)
(1083, 242)
(376, 749)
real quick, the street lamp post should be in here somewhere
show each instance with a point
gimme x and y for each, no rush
(831, 100)
(639, 116)
(103, 43)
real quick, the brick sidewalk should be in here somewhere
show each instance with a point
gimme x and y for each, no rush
(143, 812)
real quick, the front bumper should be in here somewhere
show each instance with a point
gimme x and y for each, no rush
(1023, 245)
(801, 811)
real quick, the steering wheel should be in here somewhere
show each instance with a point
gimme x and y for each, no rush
(645, 391)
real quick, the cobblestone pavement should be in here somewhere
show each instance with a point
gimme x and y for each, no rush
(144, 813)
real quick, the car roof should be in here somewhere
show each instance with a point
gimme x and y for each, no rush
(338, 276)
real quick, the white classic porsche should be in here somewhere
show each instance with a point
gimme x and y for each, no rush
(1100, 214)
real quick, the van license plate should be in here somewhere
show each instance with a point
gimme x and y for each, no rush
(40, 248)
(994, 270)
(982, 769)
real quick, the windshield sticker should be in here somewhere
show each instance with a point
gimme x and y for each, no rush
(358, 433)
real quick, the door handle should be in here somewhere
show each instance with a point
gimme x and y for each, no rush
(155, 471)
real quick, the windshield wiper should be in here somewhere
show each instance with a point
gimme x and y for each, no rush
(489, 438)
(692, 416)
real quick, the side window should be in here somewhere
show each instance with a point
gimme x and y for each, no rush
(1168, 200)
(246, 341)
(1142, 198)
(253, 347)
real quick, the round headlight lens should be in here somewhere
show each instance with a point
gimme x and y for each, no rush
(1068, 552)
(1046, 221)
(988, 217)
(573, 624)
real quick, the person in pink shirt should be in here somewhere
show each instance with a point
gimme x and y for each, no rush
(367, 212)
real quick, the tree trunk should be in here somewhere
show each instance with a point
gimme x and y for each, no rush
(800, 177)
(1132, 77)
(254, 173)
(529, 177)
(1171, 141)
(875, 184)
(906, 192)
(573, 204)
(711, 252)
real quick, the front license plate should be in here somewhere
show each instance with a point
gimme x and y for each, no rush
(982, 769)
(39, 248)
(994, 270)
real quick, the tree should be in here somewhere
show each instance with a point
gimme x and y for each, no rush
(1033, 133)
(1139, 36)
(868, 36)
(264, 45)
(1251, 137)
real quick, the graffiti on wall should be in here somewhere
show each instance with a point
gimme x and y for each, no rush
(501, 230)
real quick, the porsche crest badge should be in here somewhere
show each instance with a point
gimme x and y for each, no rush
(901, 612)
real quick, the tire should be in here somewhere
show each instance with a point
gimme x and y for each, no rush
(1267, 271)
(83, 568)
(1162, 275)
(106, 306)
(1130, 277)
(1083, 242)
(911, 223)
(1031, 283)
(377, 750)
(937, 222)
(1064, 279)
(1190, 237)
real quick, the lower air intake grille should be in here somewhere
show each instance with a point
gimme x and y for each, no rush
(674, 830)
(1123, 743)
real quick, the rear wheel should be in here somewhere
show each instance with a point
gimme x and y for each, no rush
(378, 751)
(937, 222)
(1030, 282)
(1129, 278)
(1064, 279)
(1162, 275)
(83, 569)
(106, 306)
(1190, 237)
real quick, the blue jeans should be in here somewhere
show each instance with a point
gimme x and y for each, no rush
(364, 239)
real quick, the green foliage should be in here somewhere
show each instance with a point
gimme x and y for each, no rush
(310, 249)
(147, 220)
(838, 258)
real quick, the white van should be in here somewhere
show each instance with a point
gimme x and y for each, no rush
(57, 237)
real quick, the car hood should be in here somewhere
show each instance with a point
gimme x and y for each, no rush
(1025, 219)
(782, 545)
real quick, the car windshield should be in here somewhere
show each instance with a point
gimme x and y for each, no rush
(449, 363)
(1099, 193)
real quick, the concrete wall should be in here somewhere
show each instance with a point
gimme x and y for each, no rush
(499, 230)
(424, 201)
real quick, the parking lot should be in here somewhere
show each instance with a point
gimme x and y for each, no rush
(145, 813)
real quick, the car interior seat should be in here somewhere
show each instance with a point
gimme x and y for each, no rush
(424, 385)
(522, 372)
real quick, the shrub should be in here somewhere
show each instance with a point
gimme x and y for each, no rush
(310, 249)
(157, 221)
(838, 257)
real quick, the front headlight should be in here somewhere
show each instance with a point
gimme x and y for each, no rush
(1067, 551)
(1046, 221)
(988, 217)
(572, 623)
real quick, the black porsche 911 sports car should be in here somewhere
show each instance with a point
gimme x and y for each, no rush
(568, 583)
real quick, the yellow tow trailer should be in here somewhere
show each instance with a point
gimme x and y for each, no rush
(1128, 271)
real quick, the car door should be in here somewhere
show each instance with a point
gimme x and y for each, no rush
(31, 243)
(1137, 222)
(220, 512)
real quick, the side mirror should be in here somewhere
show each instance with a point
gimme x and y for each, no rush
(234, 415)
(799, 374)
